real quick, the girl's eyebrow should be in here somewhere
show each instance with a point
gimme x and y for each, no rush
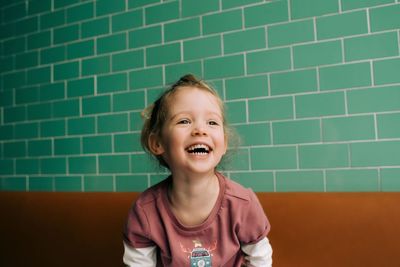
(188, 113)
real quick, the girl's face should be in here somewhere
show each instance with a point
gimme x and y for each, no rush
(192, 139)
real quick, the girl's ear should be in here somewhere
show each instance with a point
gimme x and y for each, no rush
(155, 145)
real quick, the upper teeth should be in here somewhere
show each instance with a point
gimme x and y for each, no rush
(198, 146)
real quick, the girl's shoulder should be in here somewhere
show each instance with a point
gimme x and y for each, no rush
(236, 190)
(152, 193)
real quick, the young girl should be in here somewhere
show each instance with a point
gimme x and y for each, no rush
(195, 217)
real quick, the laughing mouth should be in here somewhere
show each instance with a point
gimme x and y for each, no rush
(199, 149)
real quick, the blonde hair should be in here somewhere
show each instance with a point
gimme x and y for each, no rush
(156, 114)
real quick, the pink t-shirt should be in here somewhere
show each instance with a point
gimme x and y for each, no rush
(236, 219)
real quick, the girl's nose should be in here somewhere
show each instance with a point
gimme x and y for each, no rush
(199, 130)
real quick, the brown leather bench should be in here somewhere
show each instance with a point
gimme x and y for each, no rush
(308, 229)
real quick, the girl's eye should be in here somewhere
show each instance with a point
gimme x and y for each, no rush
(184, 121)
(213, 123)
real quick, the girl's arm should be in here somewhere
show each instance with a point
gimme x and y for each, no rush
(140, 257)
(258, 254)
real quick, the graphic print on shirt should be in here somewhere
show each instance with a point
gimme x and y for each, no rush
(199, 255)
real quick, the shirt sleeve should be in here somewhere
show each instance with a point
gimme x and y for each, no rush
(137, 230)
(258, 254)
(140, 257)
(254, 223)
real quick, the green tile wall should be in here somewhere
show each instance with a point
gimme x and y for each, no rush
(312, 87)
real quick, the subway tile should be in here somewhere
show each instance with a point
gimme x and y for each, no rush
(64, 3)
(96, 104)
(67, 146)
(296, 132)
(163, 54)
(82, 164)
(143, 163)
(377, 99)
(38, 40)
(81, 87)
(315, 54)
(291, 33)
(26, 60)
(81, 126)
(246, 87)
(340, 25)
(273, 158)
(236, 111)
(202, 48)
(348, 128)
(385, 18)
(98, 183)
(37, 148)
(244, 40)
(52, 128)
(271, 109)
(14, 45)
(114, 164)
(68, 184)
(387, 71)
(162, 12)
(96, 65)
(371, 46)
(40, 184)
(7, 166)
(236, 159)
(66, 34)
(129, 142)
(66, 108)
(254, 134)
(390, 181)
(145, 36)
(310, 8)
(111, 43)
(105, 7)
(267, 13)
(268, 60)
(13, 184)
(222, 67)
(380, 153)
(315, 105)
(14, 80)
(226, 4)
(135, 121)
(323, 156)
(14, 114)
(27, 166)
(128, 101)
(27, 130)
(52, 19)
(112, 83)
(128, 60)
(388, 125)
(39, 111)
(15, 149)
(150, 77)
(352, 180)
(97, 144)
(54, 165)
(192, 8)
(80, 12)
(6, 132)
(257, 181)
(222, 22)
(182, 29)
(351, 4)
(112, 123)
(299, 181)
(131, 183)
(174, 71)
(67, 70)
(351, 75)
(293, 82)
(37, 6)
(38, 75)
(127, 20)
(27, 95)
(80, 49)
(95, 27)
